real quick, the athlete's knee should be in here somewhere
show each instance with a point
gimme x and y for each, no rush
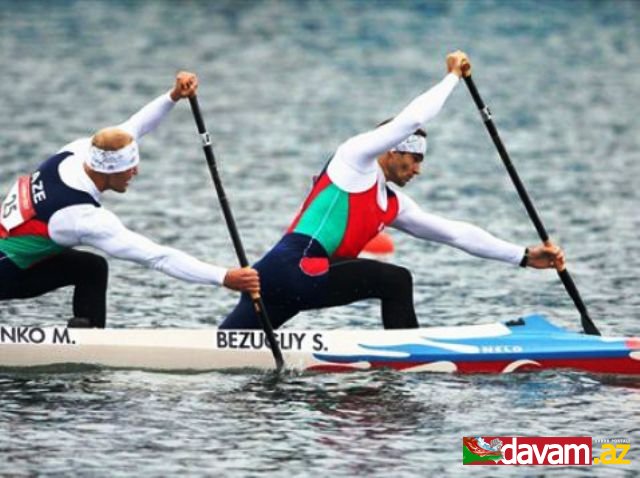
(102, 267)
(243, 316)
(96, 268)
(399, 277)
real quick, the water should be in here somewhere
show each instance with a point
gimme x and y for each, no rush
(282, 84)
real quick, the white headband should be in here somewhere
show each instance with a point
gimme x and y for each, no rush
(113, 161)
(413, 144)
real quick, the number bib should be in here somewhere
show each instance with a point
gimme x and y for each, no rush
(17, 208)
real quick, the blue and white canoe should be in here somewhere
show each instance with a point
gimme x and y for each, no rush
(528, 344)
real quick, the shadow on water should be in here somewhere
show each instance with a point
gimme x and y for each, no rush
(362, 413)
(298, 420)
(368, 414)
(25, 391)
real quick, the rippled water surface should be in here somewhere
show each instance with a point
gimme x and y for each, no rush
(282, 84)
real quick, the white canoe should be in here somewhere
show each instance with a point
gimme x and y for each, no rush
(528, 344)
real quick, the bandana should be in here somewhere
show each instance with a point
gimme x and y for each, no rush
(413, 144)
(113, 161)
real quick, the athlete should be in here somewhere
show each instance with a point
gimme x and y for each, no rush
(315, 265)
(57, 207)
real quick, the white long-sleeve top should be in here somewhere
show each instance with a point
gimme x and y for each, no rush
(354, 168)
(97, 227)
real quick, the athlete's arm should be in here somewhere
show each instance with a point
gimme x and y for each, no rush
(467, 237)
(100, 228)
(357, 156)
(150, 116)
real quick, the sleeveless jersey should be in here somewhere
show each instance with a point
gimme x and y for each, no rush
(26, 211)
(340, 221)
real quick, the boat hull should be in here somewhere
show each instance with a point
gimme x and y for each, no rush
(529, 344)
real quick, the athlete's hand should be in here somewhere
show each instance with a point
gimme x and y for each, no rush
(457, 62)
(245, 279)
(186, 85)
(546, 256)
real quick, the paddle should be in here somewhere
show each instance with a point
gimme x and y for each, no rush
(233, 230)
(587, 324)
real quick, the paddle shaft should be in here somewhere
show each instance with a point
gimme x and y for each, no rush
(258, 304)
(587, 324)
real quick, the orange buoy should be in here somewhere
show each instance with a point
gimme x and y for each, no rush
(382, 244)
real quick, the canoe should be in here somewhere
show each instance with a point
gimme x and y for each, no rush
(531, 343)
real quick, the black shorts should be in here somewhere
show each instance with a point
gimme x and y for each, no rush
(86, 271)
